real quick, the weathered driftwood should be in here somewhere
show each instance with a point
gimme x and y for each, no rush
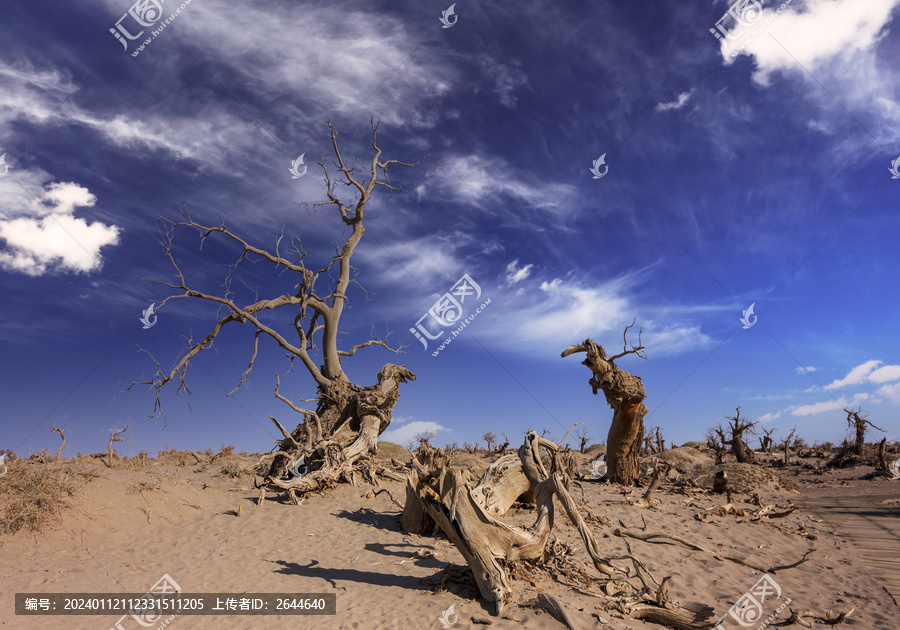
(502, 484)
(489, 545)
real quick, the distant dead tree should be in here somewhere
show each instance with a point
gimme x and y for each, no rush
(649, 446)
(859, 421)
(505, 444)
(624, 392)
(765, 443)
(738, 427)
(583, 438)
(333, 440)
(660, 442)
(62, 434)
(490, 439)
(115, 435)
(883, 466)
(715, 439)
(787, 446)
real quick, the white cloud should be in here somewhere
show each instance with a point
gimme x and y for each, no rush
(885, 373)
(891, 392)
(429, 262)
(805, 370)
(47, 236)
(817, 408)
(559, 313)
(478, 180)
(835, 43)
(794, 37)
(506, 78)
(830, 405)
(768, 417)
(514, 274)
(405, 433)
(679, 102)
(856, 376)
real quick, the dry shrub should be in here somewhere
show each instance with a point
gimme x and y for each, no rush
(225, 451)
(179, 458)
(142, 486)
(32, 496)
(235, 470)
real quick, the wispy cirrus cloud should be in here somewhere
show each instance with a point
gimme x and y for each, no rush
(482, 181)
(681, 100)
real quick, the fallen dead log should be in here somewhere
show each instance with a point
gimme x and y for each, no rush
(489, 546)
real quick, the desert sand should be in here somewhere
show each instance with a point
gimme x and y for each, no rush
(124, 527)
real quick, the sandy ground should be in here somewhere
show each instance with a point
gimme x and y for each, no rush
(125, 529)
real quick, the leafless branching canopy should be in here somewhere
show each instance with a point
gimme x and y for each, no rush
(348, 418)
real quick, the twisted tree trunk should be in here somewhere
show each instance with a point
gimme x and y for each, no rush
(625, 394)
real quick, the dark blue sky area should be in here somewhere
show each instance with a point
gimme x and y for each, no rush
(763, 179)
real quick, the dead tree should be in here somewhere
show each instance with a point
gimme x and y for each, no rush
(738, 427)
(502, 448)
(858, 421)
(715, 439)
(787, 447)
(583, 438)
(883, 466)
(490, 439)
(766, 442)
(61, 446)
(468, 514)
(115, 435)
(341, 433)
(660, 443)
(625, 394)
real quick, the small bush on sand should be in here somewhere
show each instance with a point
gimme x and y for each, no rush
(234, 470)
(32, 495)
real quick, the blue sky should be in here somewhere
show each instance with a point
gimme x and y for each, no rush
(761, 178)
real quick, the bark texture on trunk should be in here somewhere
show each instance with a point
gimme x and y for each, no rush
(625, 394)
